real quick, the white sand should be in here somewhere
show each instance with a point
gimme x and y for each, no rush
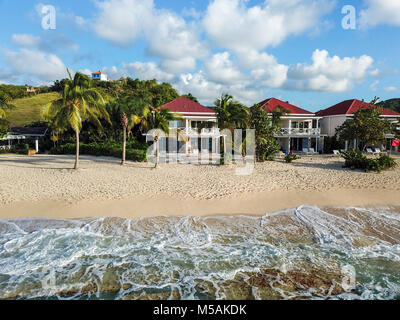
(45, 185)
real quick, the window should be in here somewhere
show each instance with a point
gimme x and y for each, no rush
(174, 124)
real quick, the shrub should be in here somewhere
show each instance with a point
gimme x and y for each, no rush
(104, 149)
(291, 157)
(18, 149)
(355, 159)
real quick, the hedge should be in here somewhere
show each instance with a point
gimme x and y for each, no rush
(106, 150)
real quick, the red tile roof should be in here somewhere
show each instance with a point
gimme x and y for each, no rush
(185, 105)
(270, 104)
(349, 107)
(98, 72)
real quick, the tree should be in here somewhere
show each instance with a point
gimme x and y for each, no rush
(131, 111)
(159, 119)
(4, 124)
(4, 105)
(80, 102)
(266, 128)
(366, 126)
(231, 114)
(190, 97)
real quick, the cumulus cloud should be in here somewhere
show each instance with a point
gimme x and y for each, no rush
(330, 74)
(122, 21)
(168, 36)
(220, 68)
(34, 63)
(233, 25)
(265, 69)
(207, 91)
(380, 12)
(140, 70)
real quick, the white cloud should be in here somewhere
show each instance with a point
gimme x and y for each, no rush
(122, 21)
(380, 12)
(26, 40)
(233, 25)
(390, 89)
(331, 74)
(34, 63)
(87, 72)
(53, 42)
(221, 69)
(265, 69)
(168, 36)
(140, 70)
(208, 91)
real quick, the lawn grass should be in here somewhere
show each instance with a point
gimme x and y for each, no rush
(28, 110)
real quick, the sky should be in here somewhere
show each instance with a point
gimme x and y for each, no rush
(312, 53)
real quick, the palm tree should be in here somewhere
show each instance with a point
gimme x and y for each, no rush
(231, 114)
(4, 105)
(80, 101)
(133, 111)
(159, 120)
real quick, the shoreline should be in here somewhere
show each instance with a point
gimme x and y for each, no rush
(251, 204)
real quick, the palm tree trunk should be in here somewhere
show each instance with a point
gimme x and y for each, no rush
(77, 150)
(157, 152)
(124, 149)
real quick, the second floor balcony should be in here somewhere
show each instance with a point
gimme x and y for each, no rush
(300, 131)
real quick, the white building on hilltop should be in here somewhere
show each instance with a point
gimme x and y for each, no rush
(98, 75)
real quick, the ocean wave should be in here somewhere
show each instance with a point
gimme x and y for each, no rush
(307, 252)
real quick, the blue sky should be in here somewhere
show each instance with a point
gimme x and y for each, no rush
(295, 50)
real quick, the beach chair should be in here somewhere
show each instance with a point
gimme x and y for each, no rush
(369, 151)
(378, 151)
(312, 151)
(336, 152)
(305, 150)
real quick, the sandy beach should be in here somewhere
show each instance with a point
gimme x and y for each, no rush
(45, 186)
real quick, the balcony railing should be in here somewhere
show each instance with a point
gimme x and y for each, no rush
(300, 131)
(204, 131)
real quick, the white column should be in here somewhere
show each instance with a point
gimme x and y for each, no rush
(187, 126)
(316, 144)
(346, 145)
(37, 144)
(290, 128)
(355, 144)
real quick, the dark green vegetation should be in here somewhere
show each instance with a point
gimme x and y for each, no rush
(266, 128)
(356, 159)
(291, 157)
(391, 104)
(135, 151)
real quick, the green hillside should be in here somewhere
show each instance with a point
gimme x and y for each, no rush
(392, 104)
(28, 110)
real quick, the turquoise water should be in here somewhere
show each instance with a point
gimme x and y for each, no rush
(303, 253)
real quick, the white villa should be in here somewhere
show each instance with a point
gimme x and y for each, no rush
(336, 115)
(300, 130)
(197, 132)
(98, 75)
